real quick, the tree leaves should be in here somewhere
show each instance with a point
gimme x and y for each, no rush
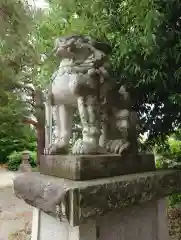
(17, 58)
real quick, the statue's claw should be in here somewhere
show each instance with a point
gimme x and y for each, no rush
(82, 148)
(117, 146)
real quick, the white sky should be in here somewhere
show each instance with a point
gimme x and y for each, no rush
(38, 3)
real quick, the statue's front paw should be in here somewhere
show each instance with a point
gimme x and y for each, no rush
(117, 146)
(78, 147)
(82, 148)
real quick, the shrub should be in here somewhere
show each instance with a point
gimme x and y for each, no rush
(15, 158)
(32, 159)
(168, 155)
(174, 200)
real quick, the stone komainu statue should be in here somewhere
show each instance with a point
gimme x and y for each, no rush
(82, 81)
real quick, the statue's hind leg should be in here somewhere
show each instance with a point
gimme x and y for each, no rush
(63, 119)
(89, 109)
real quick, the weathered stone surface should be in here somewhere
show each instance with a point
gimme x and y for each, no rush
(42, 192)
(25, 167)
(81, 200)
(87, 167)
(126, 190)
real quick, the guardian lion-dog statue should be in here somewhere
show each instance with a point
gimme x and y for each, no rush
(109, 125)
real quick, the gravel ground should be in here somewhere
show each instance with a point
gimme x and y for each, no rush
(174, 223)
(15, 214)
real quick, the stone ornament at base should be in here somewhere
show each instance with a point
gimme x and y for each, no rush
(25, 165)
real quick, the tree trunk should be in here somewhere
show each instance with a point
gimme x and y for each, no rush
(40, 116)
(40, 143)
(39, 124)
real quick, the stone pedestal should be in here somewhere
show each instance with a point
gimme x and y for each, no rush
(148, 221)
(126, 207)
(145, 222)
(51, 228)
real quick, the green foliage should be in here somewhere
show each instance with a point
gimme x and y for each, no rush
(16, 138)
(174, 200)
(17, 52)
(15, 158)
(169, 153)
(18, 59)
(32, 159)
(169, 156)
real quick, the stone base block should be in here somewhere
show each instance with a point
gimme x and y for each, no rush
(144, 222)
(87, 167)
